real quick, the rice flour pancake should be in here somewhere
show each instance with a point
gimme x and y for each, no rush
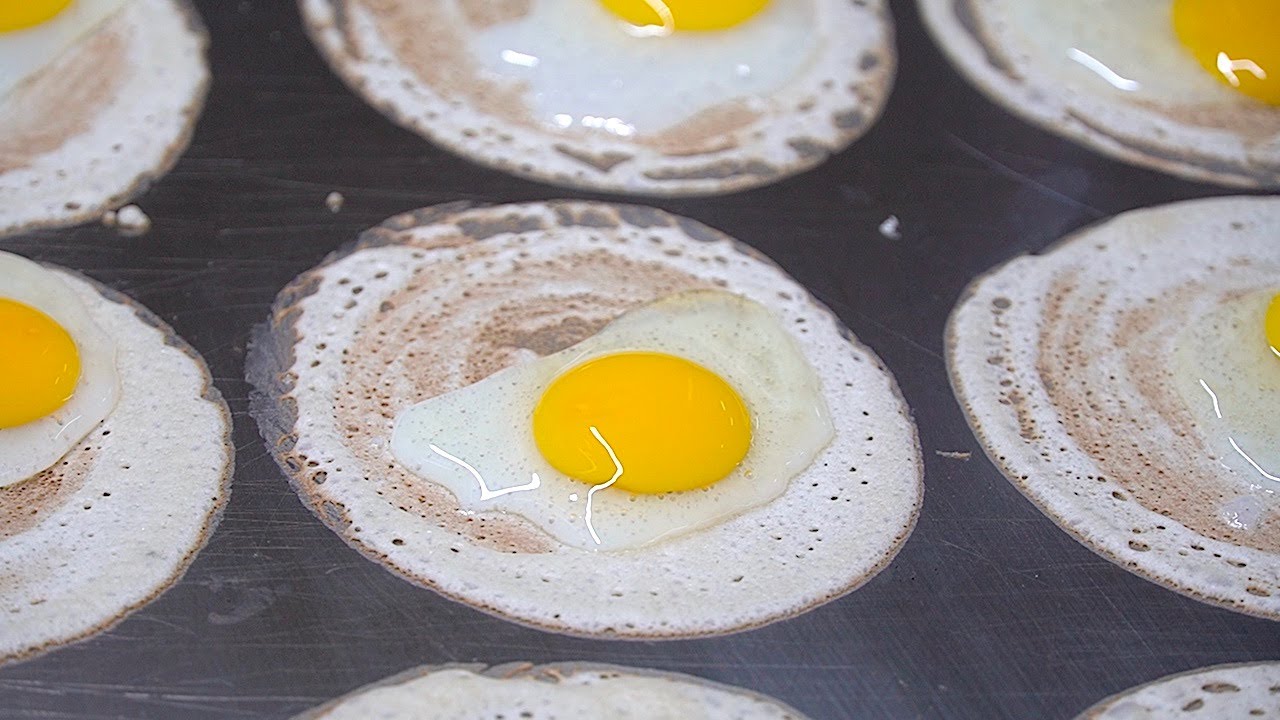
(1112, 76)
(121, 517)
(1247, 690)
(436, 67)
(561, 691)
(1122, 381)
(106, 118)
(435, 300)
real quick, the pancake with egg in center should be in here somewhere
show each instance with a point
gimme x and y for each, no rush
(104, 116)
(1122, 78)
(1245, 690)
(117, 519)
(1126, 381)
(566, 691)
(586, 94)
(431, 303)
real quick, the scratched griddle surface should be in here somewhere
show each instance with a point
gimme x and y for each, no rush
(989, 611)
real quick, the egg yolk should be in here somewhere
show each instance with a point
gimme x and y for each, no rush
(39, 364)
(685, 14)
(1238, 41)
(1273, 325)
(19, 14)
(673, 425)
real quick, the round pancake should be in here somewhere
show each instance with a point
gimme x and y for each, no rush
(433, 300)
(407, 59)
(1017, 53)
(560, 691)
(120, 519)
(110, 115)
(1245, 690)
(1062, 362)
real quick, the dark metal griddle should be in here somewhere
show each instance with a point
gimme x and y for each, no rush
(990, 610)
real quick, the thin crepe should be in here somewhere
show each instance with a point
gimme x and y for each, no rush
(433, 300)
(1244, 690)
(120, 519)
(1006, 49)
(559, 691)
(1060, 361)
(406, 59)
(105, 119)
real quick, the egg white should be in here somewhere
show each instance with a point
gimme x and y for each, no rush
(1229, 378)
(28, 449)
(487, 426)
(1128, 49)
(584, 70)
(24, 53)
(1079, 369)
(1115, 77)
(439, 69)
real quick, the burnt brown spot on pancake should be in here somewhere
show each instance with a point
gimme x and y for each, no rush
(25, 504)
(712, 130)
(719, 170)
(440, 336)
(482, 14)
(1110, 418)
(424, 38)
(602, 161)
(62, 100)
(971, 21)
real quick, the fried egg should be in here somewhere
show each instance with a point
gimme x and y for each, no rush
(632, 96)
(1126, 380)
(588, 68)
(1235, 42)
(99, 524)
(57, 370)
(1184, 86)
(562, 691)
(678, 414)
(1227, 372)
(35, 32)
(453, 394)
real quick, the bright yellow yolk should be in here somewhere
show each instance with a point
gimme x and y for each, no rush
(673, 425)
(39, 364)
(19, 14)
(1238, 41)
(1273, 325)
(685, 14)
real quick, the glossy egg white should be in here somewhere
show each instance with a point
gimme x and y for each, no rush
(1123, 380)
(478, 441)
(1229, 378)
(1116, 77)
(28, 449)
(586, 68)
(1128, 49)
(567, 92)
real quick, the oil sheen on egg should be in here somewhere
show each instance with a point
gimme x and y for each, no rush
(1228, 374)
(1133, 53)
(681, 97)
(1185, 86)
(584, 67)
(1235, 41)
(28, 48)
(480, 442)
(1126, 381)
(45, 333)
